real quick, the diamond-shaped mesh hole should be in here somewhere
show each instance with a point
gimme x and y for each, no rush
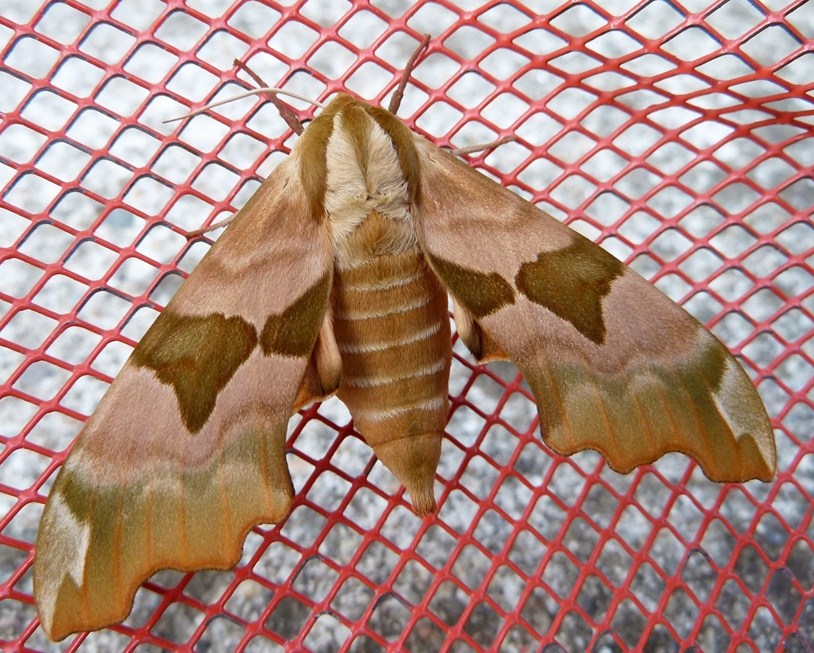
(288, 617)
(468, 42)
(764, 630)
(150, 63)
(526, 552)
(560, 575)
(352, 599)
(506, 588)
(448, 602)
(483, 624)
(362, 28)
(575, 633)
(629, 623)
(73, 345)
(327, 633)
(425, 635)
(181, 30)
(331, 59)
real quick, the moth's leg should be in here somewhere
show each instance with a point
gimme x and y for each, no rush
(324, 372)
(483, 348)
(482, 146)
(468, 330)
(327, 359)
(285, 111)
(215, 225)
(395, 101)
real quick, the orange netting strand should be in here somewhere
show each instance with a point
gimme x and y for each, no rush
(678, 134)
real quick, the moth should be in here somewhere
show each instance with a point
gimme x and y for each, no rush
(334, 279)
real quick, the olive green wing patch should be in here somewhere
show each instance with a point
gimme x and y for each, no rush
(701, 404)
(571, 283)
(482, 294)
(197, 356)
(293, 331)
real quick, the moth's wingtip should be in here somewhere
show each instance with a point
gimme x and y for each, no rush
(46, 620)
(46, 623)
(58, 635)
(755, 459)
(764, 471)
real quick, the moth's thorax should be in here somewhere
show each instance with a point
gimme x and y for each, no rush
(370, 180)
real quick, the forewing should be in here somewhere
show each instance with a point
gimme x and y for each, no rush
(186, 451)
(614, 365)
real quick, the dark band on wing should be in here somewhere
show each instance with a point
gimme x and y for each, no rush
(571, 283)
(480, 293)
(294, 331)
(402, 139)
(196, 355)
(313, 145)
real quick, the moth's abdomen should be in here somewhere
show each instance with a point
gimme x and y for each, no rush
(392, 328)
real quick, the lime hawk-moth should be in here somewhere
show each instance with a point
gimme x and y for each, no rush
(334, 279)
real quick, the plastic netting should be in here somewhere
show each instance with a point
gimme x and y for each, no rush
(678, 134)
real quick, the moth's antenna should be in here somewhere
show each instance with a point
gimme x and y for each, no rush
(240, 96)
(285, 111)
(395, 101)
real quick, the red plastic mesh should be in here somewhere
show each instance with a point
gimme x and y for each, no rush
(677, 134)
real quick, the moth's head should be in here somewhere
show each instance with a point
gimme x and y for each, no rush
(341, 102)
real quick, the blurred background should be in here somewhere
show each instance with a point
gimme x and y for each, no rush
(678, 135)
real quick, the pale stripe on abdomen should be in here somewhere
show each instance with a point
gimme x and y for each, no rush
(392, 329)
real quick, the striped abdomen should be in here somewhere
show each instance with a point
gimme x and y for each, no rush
(392, 328)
